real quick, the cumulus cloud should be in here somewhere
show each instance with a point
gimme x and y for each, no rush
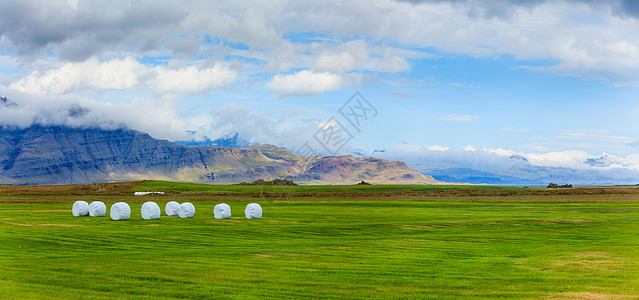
(191, 79)
(309, 83)
(124, 74)
(117, 74)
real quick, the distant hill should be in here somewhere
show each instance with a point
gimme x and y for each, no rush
(468, 175)
(523, 175)
(63, 155)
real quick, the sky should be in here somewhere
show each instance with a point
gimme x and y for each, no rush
(462, 81)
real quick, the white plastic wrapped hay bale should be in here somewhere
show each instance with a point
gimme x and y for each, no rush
(120, 211)
(222, 211)
(80, 208)
(186, 210)
(171, 208)
(253, 211)
(147, 193)
(150, 211)
(97, 209)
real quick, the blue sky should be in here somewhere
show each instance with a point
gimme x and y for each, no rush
(556, 82)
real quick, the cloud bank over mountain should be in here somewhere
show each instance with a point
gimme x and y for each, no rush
(511, 167)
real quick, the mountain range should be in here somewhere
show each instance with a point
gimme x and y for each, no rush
(527, 175)
(65, 155)
(481, 167)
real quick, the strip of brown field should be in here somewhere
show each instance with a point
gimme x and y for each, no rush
(527, 198)
(124, 191)
(113, 188)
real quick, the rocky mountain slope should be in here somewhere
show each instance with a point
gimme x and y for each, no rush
(62, 155)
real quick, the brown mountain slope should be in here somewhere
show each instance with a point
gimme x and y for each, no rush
(61, 155)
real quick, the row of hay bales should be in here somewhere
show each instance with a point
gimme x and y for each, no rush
(151, 210)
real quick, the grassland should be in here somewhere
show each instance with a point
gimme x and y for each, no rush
(324, 242)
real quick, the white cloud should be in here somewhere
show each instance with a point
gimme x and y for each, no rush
(456, 117)
(568, 159)
(390, 64)
(124, 74)
(157, 117)
(358, 55)
(469, 148)
(309, 83)
(577, 159)
(191, 79)
(437, 148)
(117, 74)
(343, 58)
(503, 152)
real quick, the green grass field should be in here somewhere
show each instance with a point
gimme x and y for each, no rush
(552, 246)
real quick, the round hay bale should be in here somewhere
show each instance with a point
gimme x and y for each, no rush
(171, 208)
(97, 209)
(80, 208)
(253, 211)
(186, 210)
(222, 211)
(120, 211)
(150, 211)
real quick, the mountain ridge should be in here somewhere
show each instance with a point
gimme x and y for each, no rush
(531, 176)
(65, 155)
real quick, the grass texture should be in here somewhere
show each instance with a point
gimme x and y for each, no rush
(440, 247)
